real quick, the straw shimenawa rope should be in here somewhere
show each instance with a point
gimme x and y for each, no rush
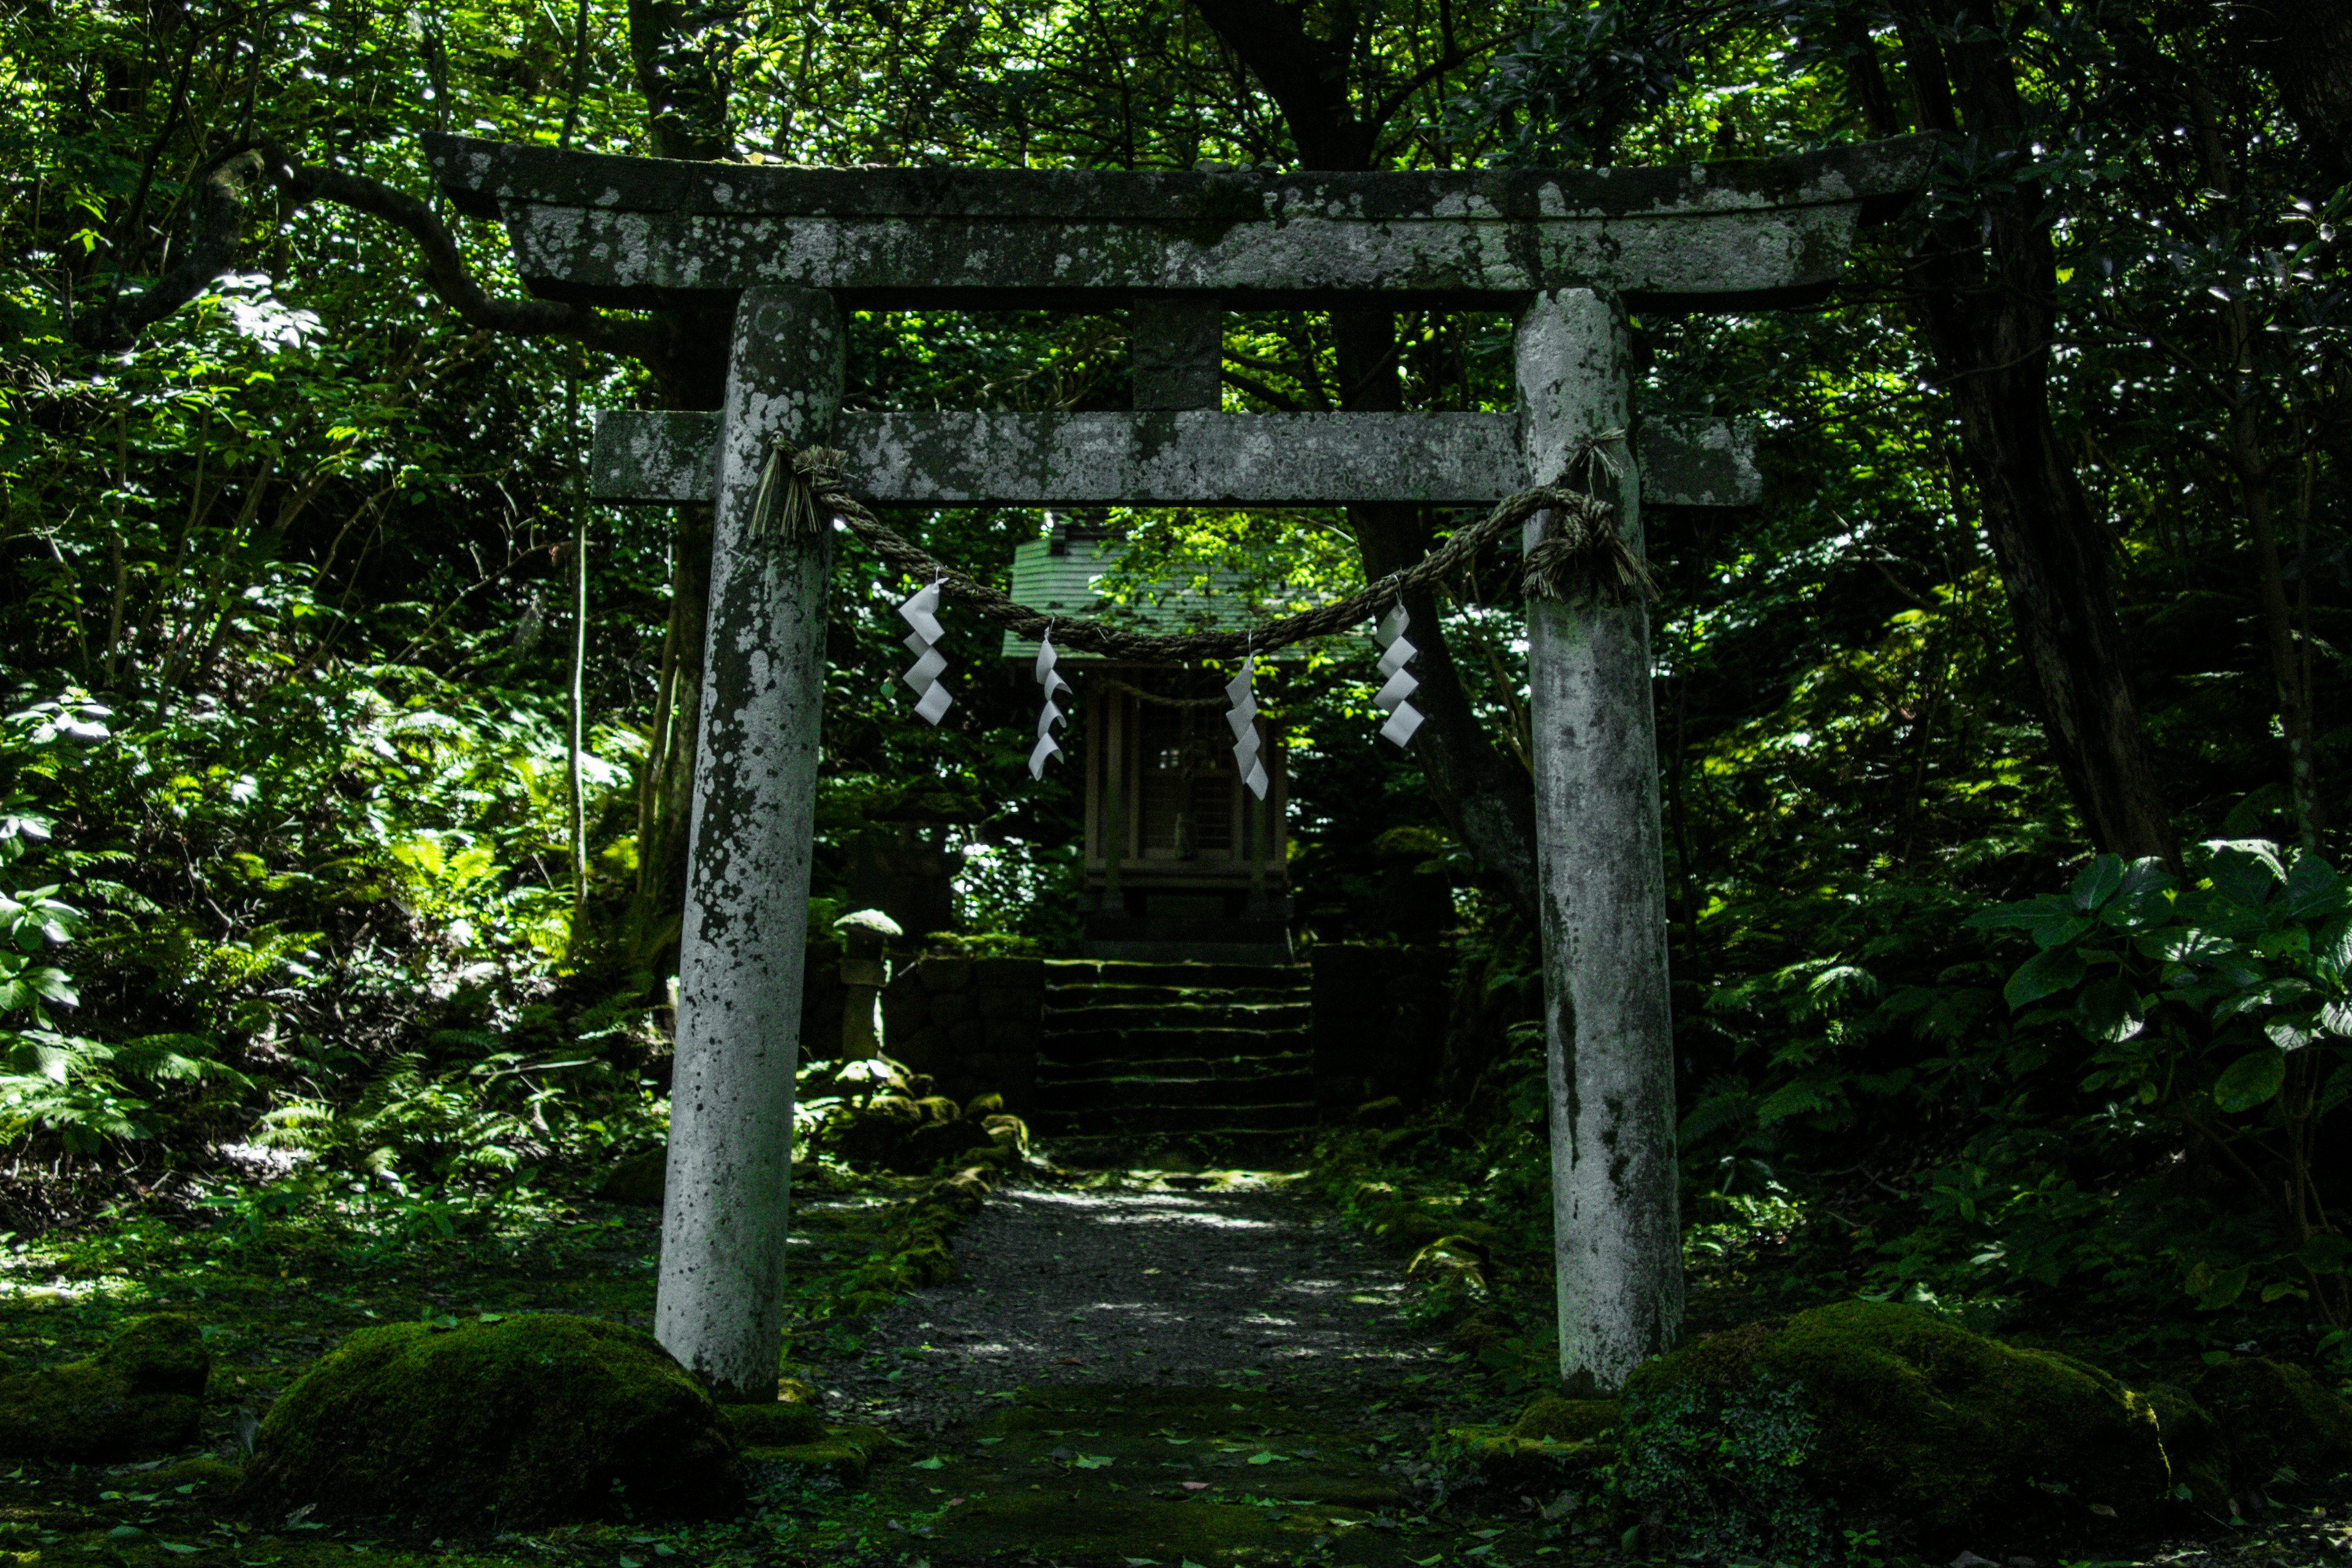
(1581, 555)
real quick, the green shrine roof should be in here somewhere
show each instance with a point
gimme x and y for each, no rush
(1063, 584)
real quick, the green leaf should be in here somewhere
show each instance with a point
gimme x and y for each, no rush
(2100, 880)
(2111, 1010)
(2218, 1289)
(2145, 899)
(2314, 887)
(2044, 975)
(2331, 951)
(2251, 1080)
(2188, 944)
(1093, 1461)
(2292, 1034)
(2245, 869)
(2324, 1253)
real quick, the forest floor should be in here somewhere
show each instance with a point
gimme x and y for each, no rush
(1130, 1371)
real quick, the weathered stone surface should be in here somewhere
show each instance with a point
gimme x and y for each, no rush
(1176, 348)
(632, 231)
(742, 959)
(1182, 458)
(965, 1037)
(950, 1008)
(1009, 974)
(945, 974)
(1592, 737)
(998, 1002)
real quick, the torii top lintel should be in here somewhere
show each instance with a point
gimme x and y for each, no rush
(639, 231)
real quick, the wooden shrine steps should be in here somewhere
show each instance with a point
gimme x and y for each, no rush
(1136, 1056)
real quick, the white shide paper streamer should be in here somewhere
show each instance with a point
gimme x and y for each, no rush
(1243, 719)
(1054, 685)
(919, 611)
(1403, 717)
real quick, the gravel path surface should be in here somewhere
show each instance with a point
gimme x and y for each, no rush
(1188, 1283)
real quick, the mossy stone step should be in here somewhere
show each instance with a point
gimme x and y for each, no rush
(1062, 972)
(1098, 1044)
(1066, 996)
(1108, 1120)
(1119, 1094)
(1284, 1064)
(844, 1453)
(1183, 1015)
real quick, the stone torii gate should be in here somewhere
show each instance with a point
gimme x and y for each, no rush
(792, 248)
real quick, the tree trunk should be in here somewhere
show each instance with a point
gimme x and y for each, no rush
(1987, 313)
(2304, 46)
(1485, 797)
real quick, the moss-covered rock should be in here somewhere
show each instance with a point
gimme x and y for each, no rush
(1876, 1413)
(2274, 1418)
(638, 1180)
(141, 1397)
(531, 1421)
(776, 1425)
(1566, 1420)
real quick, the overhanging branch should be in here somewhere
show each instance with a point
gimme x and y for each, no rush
(226, 183)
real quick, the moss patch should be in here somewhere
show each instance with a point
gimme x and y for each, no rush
(844, 1454)
(777, 1425)
(139, 1397)
(1566, 1420)
(1878, 1412)
(1103, 1473)
(527, 1421)
(2277, 1424)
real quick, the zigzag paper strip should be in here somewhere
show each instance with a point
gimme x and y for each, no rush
(1243, 719)
(1054, 685)
(1403, 717)
(917, 611)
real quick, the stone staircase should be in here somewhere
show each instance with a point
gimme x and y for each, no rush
(1138, 1057)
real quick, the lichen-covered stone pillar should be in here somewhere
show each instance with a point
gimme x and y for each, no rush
(721, 1306)
(1617, 1233)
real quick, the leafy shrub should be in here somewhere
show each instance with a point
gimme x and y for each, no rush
(2219, 1022)
(1724, 1475)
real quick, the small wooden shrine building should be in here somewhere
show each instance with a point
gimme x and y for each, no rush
(1182, 860)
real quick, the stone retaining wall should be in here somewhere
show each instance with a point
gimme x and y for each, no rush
(970, 1023)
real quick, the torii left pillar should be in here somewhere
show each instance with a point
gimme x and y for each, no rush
(719, 1309)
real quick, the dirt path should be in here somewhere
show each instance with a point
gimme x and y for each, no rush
(1208, 1371)
(1184, 1281)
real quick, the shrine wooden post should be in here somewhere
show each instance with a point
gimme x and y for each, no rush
(1571, 251)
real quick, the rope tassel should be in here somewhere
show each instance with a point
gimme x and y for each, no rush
(1243, 719)
(1581, 555)
(788, 503)
(1047, 746)
(1403, 717)
(917, 611)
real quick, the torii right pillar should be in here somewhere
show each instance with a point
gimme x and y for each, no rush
(1617, 1234)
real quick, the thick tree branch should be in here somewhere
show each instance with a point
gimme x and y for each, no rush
(216, 213)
